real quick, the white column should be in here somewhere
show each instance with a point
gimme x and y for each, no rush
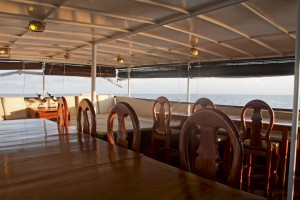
(129, 91)
(291, 177)
(44, 80)
(188, 92)
(93, 72)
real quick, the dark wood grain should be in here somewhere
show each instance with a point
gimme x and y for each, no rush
(78, 166)
(203, 103)
(139, 178)
(123, 110)
(206, 156)
(161, 130)
(257, 145)
(88, 123)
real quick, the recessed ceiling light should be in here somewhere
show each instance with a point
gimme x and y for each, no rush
(120, 60)
(36, 26)
(4, 51)
(194, 51)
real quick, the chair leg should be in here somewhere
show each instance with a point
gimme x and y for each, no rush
(268, 173)
(153, 148)
(274, 166)
(167, 151)
(249, 164)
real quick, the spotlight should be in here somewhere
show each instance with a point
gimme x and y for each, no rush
(67, 55)
(194, 51)
(36, 26)
(4, 51)
(120, 60)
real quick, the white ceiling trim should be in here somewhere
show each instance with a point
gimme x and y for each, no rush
(264, 16)
(228, 27)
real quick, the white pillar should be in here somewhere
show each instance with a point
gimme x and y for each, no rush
(129, 91)
(188, 93)
(93, 72)
(291, 177)
(44, 80)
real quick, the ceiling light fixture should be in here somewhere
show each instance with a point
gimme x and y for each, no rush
(67, 55)
(36, 26)
(4, 51)
(194, 51)
(120, 60)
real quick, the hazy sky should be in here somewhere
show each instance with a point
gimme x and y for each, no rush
(30, 84)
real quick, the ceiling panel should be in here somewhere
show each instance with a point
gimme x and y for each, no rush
(145, 32)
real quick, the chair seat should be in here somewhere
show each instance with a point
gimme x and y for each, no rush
(174, 131)
(274, 145)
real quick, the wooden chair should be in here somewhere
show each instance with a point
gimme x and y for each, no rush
(203, 158)
(62, 112)
(123, 110)
(258, 145)
(203, 103)
(62, 115)
(161, 129)
(89, 127)
(222, 139)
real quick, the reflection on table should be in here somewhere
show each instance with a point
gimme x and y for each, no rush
(39, 163)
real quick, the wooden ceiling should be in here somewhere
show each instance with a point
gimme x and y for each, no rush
(148, 32)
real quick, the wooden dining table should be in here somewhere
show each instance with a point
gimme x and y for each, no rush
(281, 133)
(39, 162)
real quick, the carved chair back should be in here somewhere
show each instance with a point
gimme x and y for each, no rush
(203, 158)
(123, 110)
(203, 103)
(88, 125)
(161, 113)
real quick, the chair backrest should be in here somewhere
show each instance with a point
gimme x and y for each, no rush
(123, 110)
(85, 106)
(162, 115)
(254, 133)
(62, 112)
(203, 103)
(202, 158)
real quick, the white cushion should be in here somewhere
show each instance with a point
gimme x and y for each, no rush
(105, 103)
(14, 107)
(142, 107)
(88, 96)
(1, 110)
(71, 105)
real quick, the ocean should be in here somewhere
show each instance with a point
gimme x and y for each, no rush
(275, 101)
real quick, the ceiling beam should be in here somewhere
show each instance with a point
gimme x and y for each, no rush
(222, 43)
(156, 47)
(253, 8)
(92, 11)
(43, 38)
(230, 28)
(183, 44)
(204, 9)
(51, 11)
(181, 10)
(163, 5)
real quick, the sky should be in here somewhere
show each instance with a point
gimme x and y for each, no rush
(31, 84)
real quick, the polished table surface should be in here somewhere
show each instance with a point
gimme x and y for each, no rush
(37, 162)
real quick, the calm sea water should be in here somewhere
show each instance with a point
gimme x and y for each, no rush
(275, 101)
